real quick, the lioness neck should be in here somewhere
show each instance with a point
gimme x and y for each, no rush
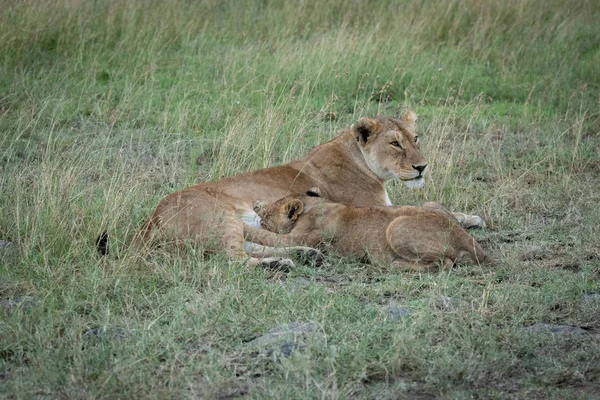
(341, 164)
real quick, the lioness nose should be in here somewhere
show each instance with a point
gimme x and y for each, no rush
(420, 168)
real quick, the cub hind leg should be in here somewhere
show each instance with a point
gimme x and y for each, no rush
(420, 247)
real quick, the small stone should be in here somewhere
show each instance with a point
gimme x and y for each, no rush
(24, 302)
(592, 298)
(534, 253)
(445, 303)
(284, 340)
(559, 329)
(199, 348)
(287, 349)
(7, 249)
(285, 333)
(396, 312)
(297, 284)
(109, 333)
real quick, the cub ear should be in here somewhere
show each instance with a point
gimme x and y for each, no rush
(293, 209)
(410, 118)
(365, 128)
(258, 205)
(314, 192)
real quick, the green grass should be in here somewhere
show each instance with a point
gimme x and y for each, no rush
(106, 107)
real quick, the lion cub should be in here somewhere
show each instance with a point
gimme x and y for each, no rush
(411, 238)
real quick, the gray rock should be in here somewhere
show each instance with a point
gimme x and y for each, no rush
(8, 249)
(198, 348)
(25, 302)
(109, 333)
(534, 253)
(285, 333)
(592, 298)
(286, 339)
(297, 284)
(445, 303)
(286, 350)
(559, 329)
(395, 312)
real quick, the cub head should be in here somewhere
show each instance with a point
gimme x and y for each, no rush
(390, 148)
(282, 215)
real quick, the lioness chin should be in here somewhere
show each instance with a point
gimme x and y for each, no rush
(352, 168)
(415, 238)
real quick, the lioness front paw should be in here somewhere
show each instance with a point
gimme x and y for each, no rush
(469, 221)
(278, 264)
(473, 221)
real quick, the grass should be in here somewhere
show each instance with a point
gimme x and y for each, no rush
(106, 107)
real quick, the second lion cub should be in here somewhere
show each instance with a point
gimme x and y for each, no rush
(410, 238)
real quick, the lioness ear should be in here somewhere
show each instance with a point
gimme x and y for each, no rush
(258, 205)
(365, 128)
(410, 118)
(293, 209)
(314, 192)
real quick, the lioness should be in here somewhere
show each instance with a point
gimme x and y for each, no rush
(416, 238)
(352, 168)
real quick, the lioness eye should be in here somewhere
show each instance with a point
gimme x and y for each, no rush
(396, 144)
(416, 139)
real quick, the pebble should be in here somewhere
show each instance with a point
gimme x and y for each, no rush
(396, 312)
(287, 338)
(24, 302)
(109, 333)
(534, 253)
(296, 284)
(445, 302)
(592, 298)
(559, 329)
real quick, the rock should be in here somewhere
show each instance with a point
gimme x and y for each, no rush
(198, 348)
(559, 329)
(534, 253)
(445, 303)
(286, 339)
(395, 312)
(286, 350)
(8, 249)
(592, 298)
(285, 333)
(296, 284)
(109, 333)
(25, 302)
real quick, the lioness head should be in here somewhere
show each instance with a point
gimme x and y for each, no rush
(390, 148)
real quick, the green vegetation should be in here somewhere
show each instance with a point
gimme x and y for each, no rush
(108, 106)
